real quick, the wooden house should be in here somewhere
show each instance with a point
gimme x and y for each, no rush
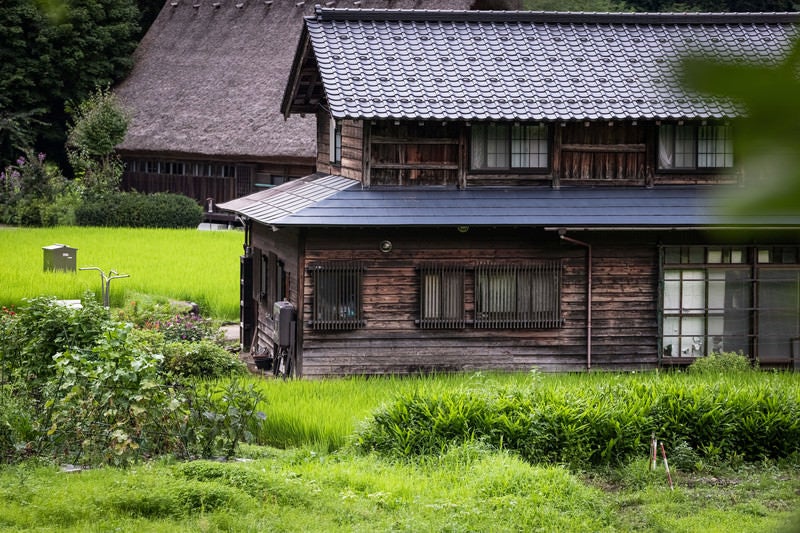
(517, 190)
(205, 92)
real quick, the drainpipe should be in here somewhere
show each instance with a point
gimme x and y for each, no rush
(562, 234)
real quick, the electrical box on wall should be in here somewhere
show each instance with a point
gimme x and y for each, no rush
(283, 316)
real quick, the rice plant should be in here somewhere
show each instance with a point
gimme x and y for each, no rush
(190, 265)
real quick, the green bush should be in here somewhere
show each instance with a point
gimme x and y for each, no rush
(722, 363)
(35, 333)
(734, 418)
(81, 388)
(200, 359)
(132, 209)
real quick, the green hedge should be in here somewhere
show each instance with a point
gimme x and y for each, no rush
(603, 420)
(136, 210)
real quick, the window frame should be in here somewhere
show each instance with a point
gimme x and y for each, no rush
(508, 153)
(734, 312)
(474, 289)
(336, 285)
(335, 141)
(692, 133)
(441, 296)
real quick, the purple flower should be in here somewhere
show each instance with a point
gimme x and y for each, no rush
(21, 161)
(41, 157)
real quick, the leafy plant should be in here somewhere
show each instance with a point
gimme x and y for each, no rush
(722, 363)
(201, 359)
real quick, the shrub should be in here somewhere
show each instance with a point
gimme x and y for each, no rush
(201, 359)
(132, 209)
(731, 418)
(35, 333)
(35, 193)
(722, 363)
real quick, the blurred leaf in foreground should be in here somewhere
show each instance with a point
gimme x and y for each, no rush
(767, 136)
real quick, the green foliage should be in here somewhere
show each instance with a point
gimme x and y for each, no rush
(201, 359)
(34, 193)
(219, 417)
(109, 406)
(35, 333)
(81, 388)
(131, 209)
(99, 126)
(738, 418)
(722, 363)
(53, 53)
(766, 139)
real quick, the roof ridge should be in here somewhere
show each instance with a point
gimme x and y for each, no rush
(581, 17)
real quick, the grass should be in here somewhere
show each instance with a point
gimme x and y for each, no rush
(309, 479)
(467, 489)
(198, 266)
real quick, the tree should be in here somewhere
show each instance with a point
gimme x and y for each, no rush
(54, 52)
(100, 124)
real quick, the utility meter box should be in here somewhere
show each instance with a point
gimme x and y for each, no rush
(60, 257)
(283, 316)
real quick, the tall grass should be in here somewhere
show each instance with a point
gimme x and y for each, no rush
(198, 266)
(581, 419)
(324, 414)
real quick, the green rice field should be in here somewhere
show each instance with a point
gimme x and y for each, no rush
(182, 264)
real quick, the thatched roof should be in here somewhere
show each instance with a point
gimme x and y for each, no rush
(209, 76)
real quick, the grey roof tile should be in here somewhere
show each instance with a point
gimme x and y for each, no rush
(483, 65)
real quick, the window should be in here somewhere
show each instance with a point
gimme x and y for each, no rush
(688, 146)
(518, 296)
(492, 296)
(510, 146)
(273, 280)
(335, 140)
(337, 296)
(442, 297)
(731, 299)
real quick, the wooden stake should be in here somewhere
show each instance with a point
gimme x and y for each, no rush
(666, 467)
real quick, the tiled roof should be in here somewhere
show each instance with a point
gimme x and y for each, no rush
(332, 201)
(459, 65)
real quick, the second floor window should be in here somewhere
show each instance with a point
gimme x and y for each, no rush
(335, 141)
(691, 146)
(510, 146)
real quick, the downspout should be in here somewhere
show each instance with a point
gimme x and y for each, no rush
(562, 234)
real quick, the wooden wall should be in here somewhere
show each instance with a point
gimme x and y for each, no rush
(625, 318)
(434, 153)
(286, 245)
(352, 147)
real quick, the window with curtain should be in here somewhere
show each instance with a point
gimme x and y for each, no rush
(691, 146)
(510, 146)
(442, 296)
(337, 296)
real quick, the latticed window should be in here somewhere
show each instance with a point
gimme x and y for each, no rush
(442, 297)
(491, 296)
(518, 296)
(507, 146)
(337, 298)
(731, 298)
(689, 146)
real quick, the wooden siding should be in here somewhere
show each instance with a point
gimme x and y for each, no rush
(601, 153)
(285, 244)
(249, 178)
(434, 153)
(625, 326)
(352, 147)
